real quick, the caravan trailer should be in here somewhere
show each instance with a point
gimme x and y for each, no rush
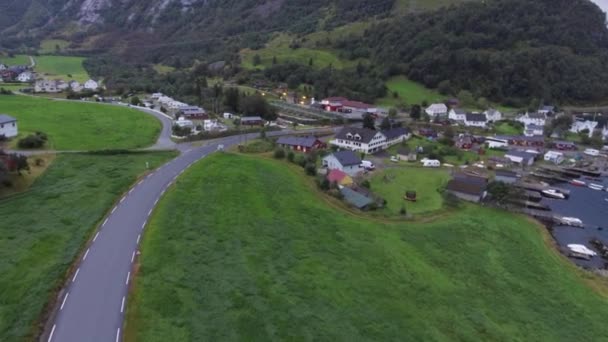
(431, 163)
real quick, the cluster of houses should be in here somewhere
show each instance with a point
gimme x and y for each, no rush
(59, 85)
(441, 112)
(369, 141)
(349, 109)
(15, 73)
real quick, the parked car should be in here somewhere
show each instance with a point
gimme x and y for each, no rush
(394, 159)
(368, 165)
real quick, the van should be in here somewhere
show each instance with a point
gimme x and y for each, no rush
(431, 163)
(591, 152)
(368, 165)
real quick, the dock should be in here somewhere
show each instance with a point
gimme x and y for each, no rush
(539, 187)
(550, 177)
(560, 170)
(547, 216)
(584, 171)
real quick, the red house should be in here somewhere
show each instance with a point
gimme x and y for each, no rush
(301, 144)
(333, 104)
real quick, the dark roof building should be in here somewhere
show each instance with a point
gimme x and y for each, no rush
(304, 144)
(476, 117)
(347, 158)
(467, 188)
(355, 198)
(395, 133)
(364, 135)
(4, 119)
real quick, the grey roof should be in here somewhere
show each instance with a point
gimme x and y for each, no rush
(476, 117)
(466, 186)
(533, 126)
(297, 141)
(506, 173)
(358, 200)
(548, 108)
(537, 116)
(347, 158)
(460, 111)
(523, 154)
(366, 134)
(251, 118)
(6, 119)
(396, 132)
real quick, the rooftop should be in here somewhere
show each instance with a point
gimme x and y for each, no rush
(350, 133)
(297, 141)
(358, 200)
(476, 117)
(347, 158)
(6, 119)
(466, 186)
(395, 132)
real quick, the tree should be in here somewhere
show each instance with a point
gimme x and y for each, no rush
(584, 136)
(279, 153)
(483, 103)
(274, 60)
(385, 124)
(257, 105)
(466, 98)
(20, 162)
(257, 60)
(596, 140)
(135, 101)
(369, 122)
(416, 112)
(231, 98)
(310, 62)
(449, 132)
(392, 113)
(444, 87)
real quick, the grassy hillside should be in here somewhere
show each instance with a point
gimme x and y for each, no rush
(274, 261)
(65, 67)
(15, 60)
(43, 229)
(409, 92)
(82, 125)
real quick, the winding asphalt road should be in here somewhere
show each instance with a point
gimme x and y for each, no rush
(92, 304)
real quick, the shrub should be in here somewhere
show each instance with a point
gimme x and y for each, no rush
(33, 141)
(279, 153)
(300, 160)
(290, 156)
(366, 184)
(402, 211)
(323, 183)
(311, 169)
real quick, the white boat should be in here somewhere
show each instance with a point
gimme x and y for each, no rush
(596, 186)
(582, 249)
(572, 221)
(553, 194)
(577, 182)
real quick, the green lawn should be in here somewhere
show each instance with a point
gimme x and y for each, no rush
(50, 45)
(406, 6)
(62, 67)
(81, 125)
(410, 92)
(14, 86)
(243, 248)
(15, 60)
(504, 128)
(392, 183)
(43, 229)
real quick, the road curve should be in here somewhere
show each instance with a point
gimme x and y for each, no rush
(92, 304)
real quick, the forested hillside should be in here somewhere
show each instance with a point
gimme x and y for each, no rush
(505, 50)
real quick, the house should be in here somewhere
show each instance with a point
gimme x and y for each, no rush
(301, 144)
(427, 132)
(457, 114)
(565, 145)
(193, 113)
(522, 140)
(547, 110)
(46, 86)
(395, 135)
(8, 126)
(214, 125)
(229, 116)
(475, 120)
(406, 154)
(467, 188)
(497, 142)
(581, 125)
(75, 86)
(62, 85)
(437, 110)
(8, 75)
(252, 121)
(333, 104)
(533, 130)
(359, 107)
(339, 177)
(554, 157)
(464, 142)
(506, 176)
(360, 139)
(493, 115)
(345, 161)
(181, 122)
(522, 158)
(26, 76)
(356, 199)
(605, 132)
(533, 118)
(91, 85)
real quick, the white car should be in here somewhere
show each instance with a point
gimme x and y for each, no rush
(394, 159)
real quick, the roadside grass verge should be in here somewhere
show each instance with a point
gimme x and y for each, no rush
(43, 229)
(81, 125)
(241, 248)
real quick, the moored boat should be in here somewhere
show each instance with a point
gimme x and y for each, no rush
(577, 182)
(582, 249)
(553, 194)
(596, 186)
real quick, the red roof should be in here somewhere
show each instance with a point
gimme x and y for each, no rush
(336, 176)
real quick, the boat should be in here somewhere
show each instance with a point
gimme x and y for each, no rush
(572, 221)
(553, 194)
(582, 249)
(596, 186)
(577, 182)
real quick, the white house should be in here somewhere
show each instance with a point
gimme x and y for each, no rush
(493, 115)
(532, 130)
(580, 125)
(457, 114)
(521, 157)
(475, 120)
(345, 161)
(46, 86)
(546, 110)
(229, 116)
(75, 86)
(181, 122)
(91, 85)
(554, 157)
(533, 119)
(3, 66)
(437, 110)
(496, 142)
(359, 139)
(8, 126)
(213, 125)
(26, 76)
(62, 85)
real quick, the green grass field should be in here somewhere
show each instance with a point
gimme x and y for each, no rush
(81, 125)
(410, 92)
(503, 128)
(13, 86)
(42, 230)
(392, 183)
(65, 67)
(15, 60)
(273, 261)
(50, 45)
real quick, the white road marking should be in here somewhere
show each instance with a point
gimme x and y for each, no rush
(85, 254)
(75, 275)
(122, 306)
(131, 191)
(122, 199)
(128, 275)
(118, 335)
(143, 225)
(156, 202)
(96, 235)
(113, 210)
(149, 212)
(141, 181)
(104, 222)
(138, 237)
(52, 332)
(150, 175)
(132, 257)
(64, 299)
